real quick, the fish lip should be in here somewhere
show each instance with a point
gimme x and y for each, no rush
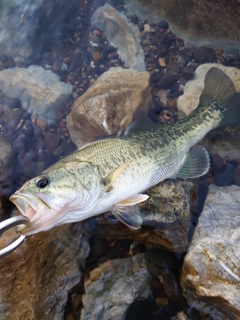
(20, 199)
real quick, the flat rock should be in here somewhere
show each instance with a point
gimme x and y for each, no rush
(166, 219)
(193, 89)
(113, 286)
(121, 34)
(36, 278)
(109, 104)
(211, 269)
(40, 91)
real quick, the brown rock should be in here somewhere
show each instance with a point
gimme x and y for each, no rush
(166, 219)
(109, 104)
(96, 55)
(35, 279)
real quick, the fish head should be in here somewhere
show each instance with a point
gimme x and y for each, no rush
(62, 194)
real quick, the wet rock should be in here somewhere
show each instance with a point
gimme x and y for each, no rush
(121, 34)
(210, 275)
(180, 316)
(40, 91)
(109, 104)
(50, 141)
(203, 55)
(169, 77)
(224, 142)
(113, 286)
(187, 73)
(35, 279)
(197, 22)
(166, 219)
(193, 89)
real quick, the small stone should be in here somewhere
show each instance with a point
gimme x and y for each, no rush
(146, 42)
(203, 55)
(187, 73)
(163, 25)
(171, 103)
(96, 55)
(50, 142)
(156, 76)
(42, 124)
(161, 62)
(162, 95)
(161, 302)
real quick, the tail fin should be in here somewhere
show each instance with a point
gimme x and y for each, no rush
(220, 90)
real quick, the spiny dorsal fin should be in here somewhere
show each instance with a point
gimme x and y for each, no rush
(112, 177)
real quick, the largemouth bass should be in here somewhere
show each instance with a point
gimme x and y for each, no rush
(111, 174)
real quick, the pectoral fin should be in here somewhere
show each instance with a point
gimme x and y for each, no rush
(111, 178)
(195, 164)
(128, 213)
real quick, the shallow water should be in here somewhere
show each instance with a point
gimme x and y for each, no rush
(60, 38)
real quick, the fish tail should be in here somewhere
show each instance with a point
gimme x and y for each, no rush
(220, 92)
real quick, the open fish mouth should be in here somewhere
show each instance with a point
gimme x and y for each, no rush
(28, 205)
(34, 208)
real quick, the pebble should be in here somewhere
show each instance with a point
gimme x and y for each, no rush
(155, 77)
(50, 142)
(203, 55)
(166, 81)
(187, 73)
(42, 124)
(162, 95)
(161, 62)
(96, 55)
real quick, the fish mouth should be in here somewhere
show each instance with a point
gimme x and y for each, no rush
(42, 217)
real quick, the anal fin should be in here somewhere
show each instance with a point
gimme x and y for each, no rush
(195, 164)
(128, 213)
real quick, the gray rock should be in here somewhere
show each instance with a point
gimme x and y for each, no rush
(121, 34)
(113, 286)
(166, 218)
(36, 278)
(109, 104)
(40, 91)
(211, 270)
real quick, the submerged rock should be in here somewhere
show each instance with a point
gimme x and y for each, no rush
(35, 279)
(193, 89)
(197, 22)
(224, 142)
(166, 218)
(40, 91)
(113, 286)
(210, 275)
(121, 34)
(109, 104)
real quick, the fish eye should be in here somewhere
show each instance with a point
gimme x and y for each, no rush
(42, 182)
